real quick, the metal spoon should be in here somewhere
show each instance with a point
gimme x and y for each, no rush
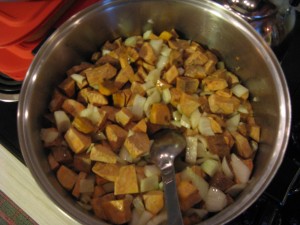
(166, 146)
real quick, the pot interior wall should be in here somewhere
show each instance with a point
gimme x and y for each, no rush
(79, 38)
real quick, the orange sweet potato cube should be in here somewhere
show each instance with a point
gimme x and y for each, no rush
(66, 177)
(124, 116)
(76, 189)
(147, 53)
(116, 136)
(97, 205)
(118, 211)
(103, 153)
(188, 195)
(137, 144)
(77, 141)
(154, 201)
(67, 86)
(126, 182)
(171, 74)
(72, 107)
(160, 114)
(107, 171)
(188, 104)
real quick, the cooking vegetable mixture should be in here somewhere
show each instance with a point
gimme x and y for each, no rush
(103, 114)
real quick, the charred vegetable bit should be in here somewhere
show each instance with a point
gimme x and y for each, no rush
(104, 113)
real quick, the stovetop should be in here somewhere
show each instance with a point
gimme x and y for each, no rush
(279, 204)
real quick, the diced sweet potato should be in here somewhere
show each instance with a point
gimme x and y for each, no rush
(175, 96)
(160, 114)
(67, 86)
(221, 182)
(110, 111)
(178, 44)
(154, 201)
(83, 124)
(141, 126)
(76, 189)
(124, 116)
(98, 191)
(210, 67)
(108, 87)
(116, 136)
(78, 68)
(220, 104)
(62, 154)
(254, 132)
(214, 83)
(99, 74)
(118, 211)
(51, 137)
(66, 177)
(188, 104)
(175, 58)
(126, 182)
(195, 71)
(54, 165)
(217, 145)
(171, 74)
(72, 107)
(188, 195)
(242, 145)
(137, 144)
(57, 101)
(94, 97)
(82, 162)
(187, 84)
(197, 57)
(103, 153)
(119, 99)
(137, 88)
(147, 53)
(97, 205)
(101, 180)
(215, 126)
(107, 171)
(77, 141)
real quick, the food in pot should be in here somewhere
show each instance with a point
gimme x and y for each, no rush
(103, 114)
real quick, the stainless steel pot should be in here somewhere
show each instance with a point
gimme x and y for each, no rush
(243, 50)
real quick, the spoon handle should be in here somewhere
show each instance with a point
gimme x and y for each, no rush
(172, 203)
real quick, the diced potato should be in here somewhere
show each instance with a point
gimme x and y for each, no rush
(107, 171)
(76, 189)
(124, 116)
(99, 74)
(66, 177)
(137, 144)
(126, 182)
(67, 86)
(77, 141)
(242, 145)
(72, 107)
(154, 201)
(116, 136)
(82, 162)
(118, 211)
(219, 104)
(103, 153)
(84, 125)
(160, 114)
(147, 53)
(171, 74)
(187, 84)
(188, 104)
(188, 195)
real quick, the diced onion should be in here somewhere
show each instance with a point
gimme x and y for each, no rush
(194, 118)
(151, 170)
(62, 121)
(243, 109)
(210, 167)
(124, 155)
(176, 115)
(138, 205)
(216, 200)
(105, 51)
(149, 183)
(226, 169)
(49, 135)
(205, 126)
(153, 98)
(156, 44)
(92, 113)
(162, 61)
(131, 41)
(158, 219)
(144, 218)
(78, 78)
(199, 212)
(147, 34)
(153, 76)
(185, 122)
(191, 149)
(166, 95)
(240, 170)
(233, 122)
(165, 51)
(138, 106)
(235, 189)
(239, 90)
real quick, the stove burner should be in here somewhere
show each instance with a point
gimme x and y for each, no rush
(9, 88)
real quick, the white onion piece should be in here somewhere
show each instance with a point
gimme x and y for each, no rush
(158, 219)
(138, 205)
(153, 98)
(138, 106)
(254, 145)
(233, 122)
(185, 122)
(144, 218)
(202, 140)
(194, 118)
(78, 78)
(147, 34)
(135, 216)
(105, 51)
(124, 155)
(166, 95)
(165, 51)
(153, 76)
(226, 169)
(199, 182)
(191, 149)
(240, 170)
(91, 113)
(210, 167)
(239, 90)
(148, 85)
(131, 41)
(151, 170)
(234, 190)
(243, 109)
(156, 44)
(175, 123)
(62, 121)
(204, 126)
(162, 61)
(215, 200)
(49, 135)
